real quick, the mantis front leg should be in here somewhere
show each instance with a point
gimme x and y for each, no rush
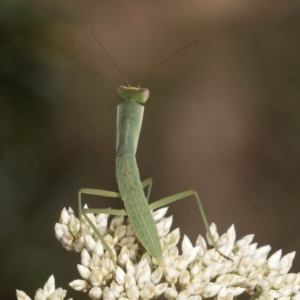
(85, 212)
(117, 212)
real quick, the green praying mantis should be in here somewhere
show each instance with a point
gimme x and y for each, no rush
(131, 188)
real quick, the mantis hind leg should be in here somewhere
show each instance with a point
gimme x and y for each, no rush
(85, 212)
(182, 195)
(148, 182)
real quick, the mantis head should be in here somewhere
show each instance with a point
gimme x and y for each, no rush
(139, 95)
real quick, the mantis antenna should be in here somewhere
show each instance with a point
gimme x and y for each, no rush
(151, 71)
(176, 52)
(109, 55)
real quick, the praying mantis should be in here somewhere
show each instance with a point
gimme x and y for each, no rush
(131, 188)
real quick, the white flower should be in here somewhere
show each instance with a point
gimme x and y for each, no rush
(127, 271)
(47, 293)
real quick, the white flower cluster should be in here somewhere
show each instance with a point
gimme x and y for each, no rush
(47, 293)
(199, 272)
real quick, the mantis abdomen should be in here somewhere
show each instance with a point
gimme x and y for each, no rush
(136, 205)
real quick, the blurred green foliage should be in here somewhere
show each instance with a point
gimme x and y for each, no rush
(26, 77)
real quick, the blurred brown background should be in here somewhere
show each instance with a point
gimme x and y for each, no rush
(223, 118)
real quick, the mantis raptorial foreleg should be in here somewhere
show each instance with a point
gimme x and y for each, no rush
(117, 212)
(94, 192)
(148, 182)
(85, 212)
